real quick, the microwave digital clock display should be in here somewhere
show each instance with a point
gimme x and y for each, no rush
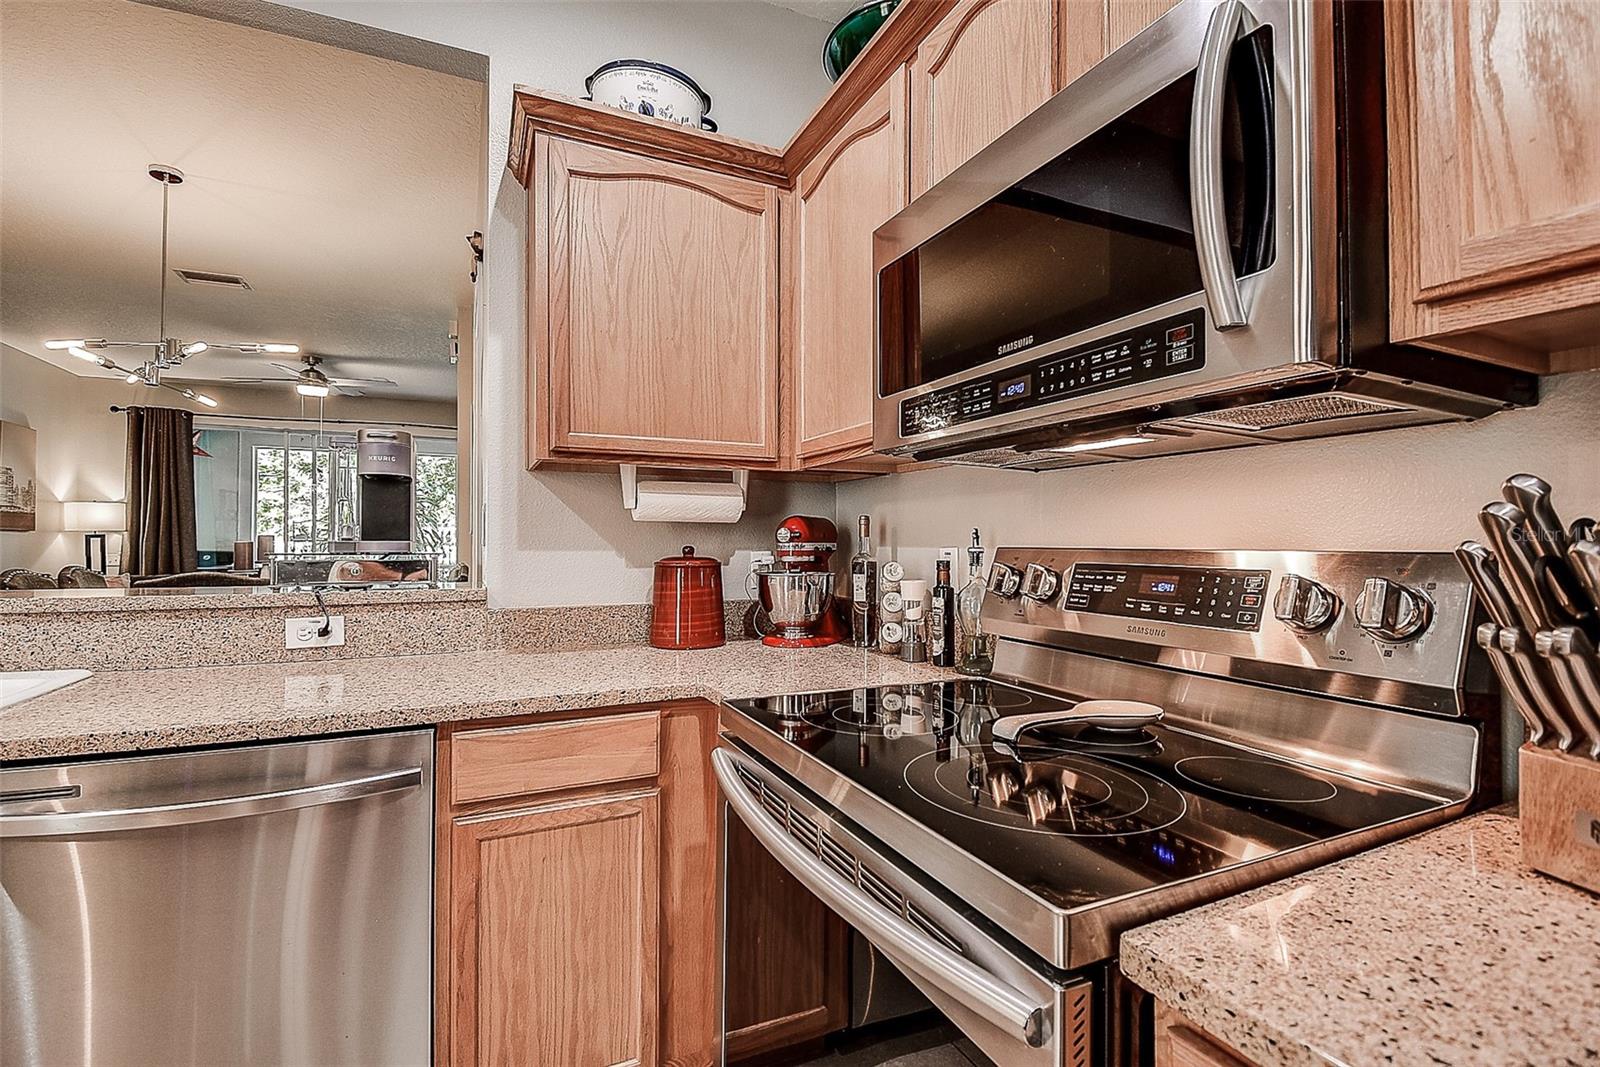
(1174, 345)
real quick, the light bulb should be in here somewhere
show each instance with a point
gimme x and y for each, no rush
(311, 389)
(133, 378)
(57, 346)
(200, 397)
(280, 349)
(83, 353)
(194, 348)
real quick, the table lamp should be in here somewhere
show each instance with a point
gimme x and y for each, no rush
(96, 518)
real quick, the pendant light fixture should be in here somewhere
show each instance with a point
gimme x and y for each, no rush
(167, 352)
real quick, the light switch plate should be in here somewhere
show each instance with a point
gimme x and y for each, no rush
(949, 555)
(302, 633)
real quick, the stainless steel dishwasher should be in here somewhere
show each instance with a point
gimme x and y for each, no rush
(260, 905)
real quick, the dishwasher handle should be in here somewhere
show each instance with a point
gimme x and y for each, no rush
(986, 994)
(74, 823)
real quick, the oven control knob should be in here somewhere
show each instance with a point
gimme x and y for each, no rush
(1040, 582)
(1390, 611)
(1304, 605)
(1004, 580)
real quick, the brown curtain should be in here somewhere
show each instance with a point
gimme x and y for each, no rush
(161, 522)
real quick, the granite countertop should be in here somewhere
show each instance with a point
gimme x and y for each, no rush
(1438, 949)
(57, 601)
(130, 711)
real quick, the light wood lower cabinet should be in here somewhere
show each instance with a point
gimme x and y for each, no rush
(557, 924)
(1494, 196)
(653, 310)
(1179, 1043)
(576, 902)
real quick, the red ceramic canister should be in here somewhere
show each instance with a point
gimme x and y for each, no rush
(686, 610)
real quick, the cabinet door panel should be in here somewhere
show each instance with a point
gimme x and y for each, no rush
(986, 64)
(853, 186)
(1125, 18)
(1508, 99)
(660, 309)
(1494, 189)
(554, 934)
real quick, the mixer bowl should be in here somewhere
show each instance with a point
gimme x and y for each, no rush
(795, 601)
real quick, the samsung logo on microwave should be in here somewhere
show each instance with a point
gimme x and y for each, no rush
(1014, 346)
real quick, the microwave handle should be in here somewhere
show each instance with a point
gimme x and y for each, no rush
(1209, 211)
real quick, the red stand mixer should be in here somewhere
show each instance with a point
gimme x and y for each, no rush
(797, 592)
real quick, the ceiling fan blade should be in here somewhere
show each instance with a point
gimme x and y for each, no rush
(342, 391)
(374, 382)
(258, 381)
(292, 371)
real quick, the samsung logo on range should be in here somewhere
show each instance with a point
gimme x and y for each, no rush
(1014, 346)
(1147, 631)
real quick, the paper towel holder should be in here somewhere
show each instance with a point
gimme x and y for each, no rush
(630, 485)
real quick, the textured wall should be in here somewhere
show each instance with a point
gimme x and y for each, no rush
(558, 539)
(1399, 489)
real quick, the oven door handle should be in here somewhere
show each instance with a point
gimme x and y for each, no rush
(985, 994)
(1206, 204)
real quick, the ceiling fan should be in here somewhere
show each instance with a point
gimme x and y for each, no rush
(169, 352)
(309, 380)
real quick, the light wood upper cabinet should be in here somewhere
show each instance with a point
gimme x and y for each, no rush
(855, 184)
(555, 916)
(985, 65)
(653, 310)
(1494, 145)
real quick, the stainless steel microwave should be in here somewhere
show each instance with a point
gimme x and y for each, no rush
(1185, 249)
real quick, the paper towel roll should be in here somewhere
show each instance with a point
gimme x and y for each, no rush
(689, 502)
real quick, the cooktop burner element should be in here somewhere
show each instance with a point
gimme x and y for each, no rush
(1067, 794)
(1256, 779)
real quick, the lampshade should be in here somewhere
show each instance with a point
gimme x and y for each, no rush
(105, 516)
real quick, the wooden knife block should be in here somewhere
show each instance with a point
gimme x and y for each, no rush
(1559, 802)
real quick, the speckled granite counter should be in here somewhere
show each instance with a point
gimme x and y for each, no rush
(127, 711)
(1439, 949)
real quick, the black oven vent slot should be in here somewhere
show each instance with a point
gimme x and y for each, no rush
(776, 806)
(803, 830)
(921, 921)
(881, 891)
(837, 858)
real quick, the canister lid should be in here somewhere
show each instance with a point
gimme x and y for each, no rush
(688, 559)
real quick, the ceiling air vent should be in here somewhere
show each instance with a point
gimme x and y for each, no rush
(206, 277)
(1295, 411)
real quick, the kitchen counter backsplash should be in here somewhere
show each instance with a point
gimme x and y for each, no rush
(146, 633)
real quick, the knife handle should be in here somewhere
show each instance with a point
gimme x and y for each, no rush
(1511, 678)
(1514, 643)
(1581, 694)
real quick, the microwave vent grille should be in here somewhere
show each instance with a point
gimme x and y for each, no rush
(1294, 411)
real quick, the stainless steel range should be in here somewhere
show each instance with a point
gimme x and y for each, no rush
(1163, 728)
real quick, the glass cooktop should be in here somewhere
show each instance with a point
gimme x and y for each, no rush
(1074, 814)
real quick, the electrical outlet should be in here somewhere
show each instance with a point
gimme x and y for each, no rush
(949, 555)
(302, 633)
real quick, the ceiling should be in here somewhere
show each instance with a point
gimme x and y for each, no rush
(829, 11)
(340, 185)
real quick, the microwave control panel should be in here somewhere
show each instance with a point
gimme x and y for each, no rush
(1224, 599)
(1156, 350)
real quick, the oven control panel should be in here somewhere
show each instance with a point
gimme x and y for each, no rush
(1156, 350)
(1221, 598)
(1325, 622)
